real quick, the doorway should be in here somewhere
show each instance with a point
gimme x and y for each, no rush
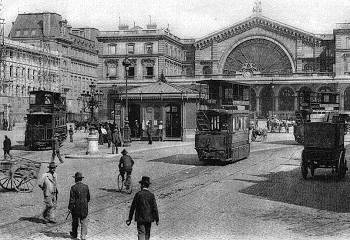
(173, 121)
(134, 120)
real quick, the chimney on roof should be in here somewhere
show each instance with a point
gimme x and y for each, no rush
(151, 25)
(123, 27)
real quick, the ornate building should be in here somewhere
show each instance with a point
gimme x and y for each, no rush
(77, 46)
(150, 52)
(25, 68)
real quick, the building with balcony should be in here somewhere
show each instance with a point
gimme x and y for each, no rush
(25, 68)
(77, 46)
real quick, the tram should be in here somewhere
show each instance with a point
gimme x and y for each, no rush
(46, 117)
(222, 133)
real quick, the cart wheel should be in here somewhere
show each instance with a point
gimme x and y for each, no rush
(24, 182)
(303, 166)
(7, 182)
(120, 183)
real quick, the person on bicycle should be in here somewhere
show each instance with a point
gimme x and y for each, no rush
(125, 164)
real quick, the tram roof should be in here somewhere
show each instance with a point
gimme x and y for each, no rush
(210, 81)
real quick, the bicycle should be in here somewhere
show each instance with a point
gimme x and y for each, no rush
(127, 183)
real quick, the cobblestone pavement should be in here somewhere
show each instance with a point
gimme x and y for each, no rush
(262, 197)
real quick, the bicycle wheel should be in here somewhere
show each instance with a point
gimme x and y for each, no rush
(128, 185)
(120, 183)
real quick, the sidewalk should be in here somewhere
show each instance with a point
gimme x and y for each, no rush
(105, 152)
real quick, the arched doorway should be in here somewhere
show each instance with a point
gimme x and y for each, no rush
(286, 99)
(173, 121)
(266, 101)
(304, 95)
(252, 100)
(347, 99)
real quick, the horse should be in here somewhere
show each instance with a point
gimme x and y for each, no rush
(259, 134)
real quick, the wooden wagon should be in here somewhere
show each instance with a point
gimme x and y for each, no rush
(19, 174)
(323, 148)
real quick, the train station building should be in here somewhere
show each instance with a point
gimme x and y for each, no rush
(280, 62)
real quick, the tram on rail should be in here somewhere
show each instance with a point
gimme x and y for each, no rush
(46, 117)
(222, 133)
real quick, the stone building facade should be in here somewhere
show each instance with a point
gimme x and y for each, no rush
(278, 61)
(77, 46)
(25, 68)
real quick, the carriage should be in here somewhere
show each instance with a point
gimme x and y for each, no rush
(46, 117)
(223, 122)
(323, 148)
(19, 174)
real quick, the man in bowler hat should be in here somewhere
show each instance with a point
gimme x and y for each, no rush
(145, 207)
(48, 183)
(78, 206)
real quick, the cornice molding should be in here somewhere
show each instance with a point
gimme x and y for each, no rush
(260, 22)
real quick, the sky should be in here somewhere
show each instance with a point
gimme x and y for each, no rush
(186, 18)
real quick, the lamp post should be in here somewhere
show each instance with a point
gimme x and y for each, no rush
(126, 132)
(92, 99)
(114, 102)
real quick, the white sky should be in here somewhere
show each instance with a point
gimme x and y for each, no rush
(186, 18)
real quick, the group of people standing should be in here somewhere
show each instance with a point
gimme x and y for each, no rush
(143, 207)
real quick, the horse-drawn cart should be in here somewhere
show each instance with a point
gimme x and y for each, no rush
(19, 174)
(323, 148)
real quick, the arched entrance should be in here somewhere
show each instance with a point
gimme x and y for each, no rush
(266, 101)
(252, 100)
(286, 99)
(347, 99)
(173, 121)
(304, 95)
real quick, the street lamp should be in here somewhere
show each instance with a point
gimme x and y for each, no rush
(127, 140)
(114, 101)
(92, 99)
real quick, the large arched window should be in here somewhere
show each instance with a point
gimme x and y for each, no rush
(286, 99)
(347, 99)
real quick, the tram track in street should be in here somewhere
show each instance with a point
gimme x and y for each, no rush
(106, 201)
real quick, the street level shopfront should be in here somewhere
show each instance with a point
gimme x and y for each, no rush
(170, 108)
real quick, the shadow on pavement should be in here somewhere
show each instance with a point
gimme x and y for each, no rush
(18, 147)
(57, 234)
(109, 189)
(33, 219)
(323, 192)
(182, 159)
(284, 142)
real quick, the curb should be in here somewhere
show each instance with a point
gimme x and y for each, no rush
(106, 155)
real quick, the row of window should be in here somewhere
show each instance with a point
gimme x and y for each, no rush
(26, 33)
(83, 69)
(31, 74)
(82, 55)
(130, 48)
(148, 71)
(31, 58)
(175, 52)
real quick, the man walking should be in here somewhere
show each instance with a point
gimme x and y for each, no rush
(116, 140)
(7, 147)
(70, 131)
(48, 183)
(149, 131)
(78, 206)
(145, 207)
(56, 149)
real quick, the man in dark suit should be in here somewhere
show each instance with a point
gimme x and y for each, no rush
(78, 206)
(146, 212)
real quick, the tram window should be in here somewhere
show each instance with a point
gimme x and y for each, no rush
(234, 124)
(32, 99)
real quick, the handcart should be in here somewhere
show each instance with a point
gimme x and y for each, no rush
(19, 174)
